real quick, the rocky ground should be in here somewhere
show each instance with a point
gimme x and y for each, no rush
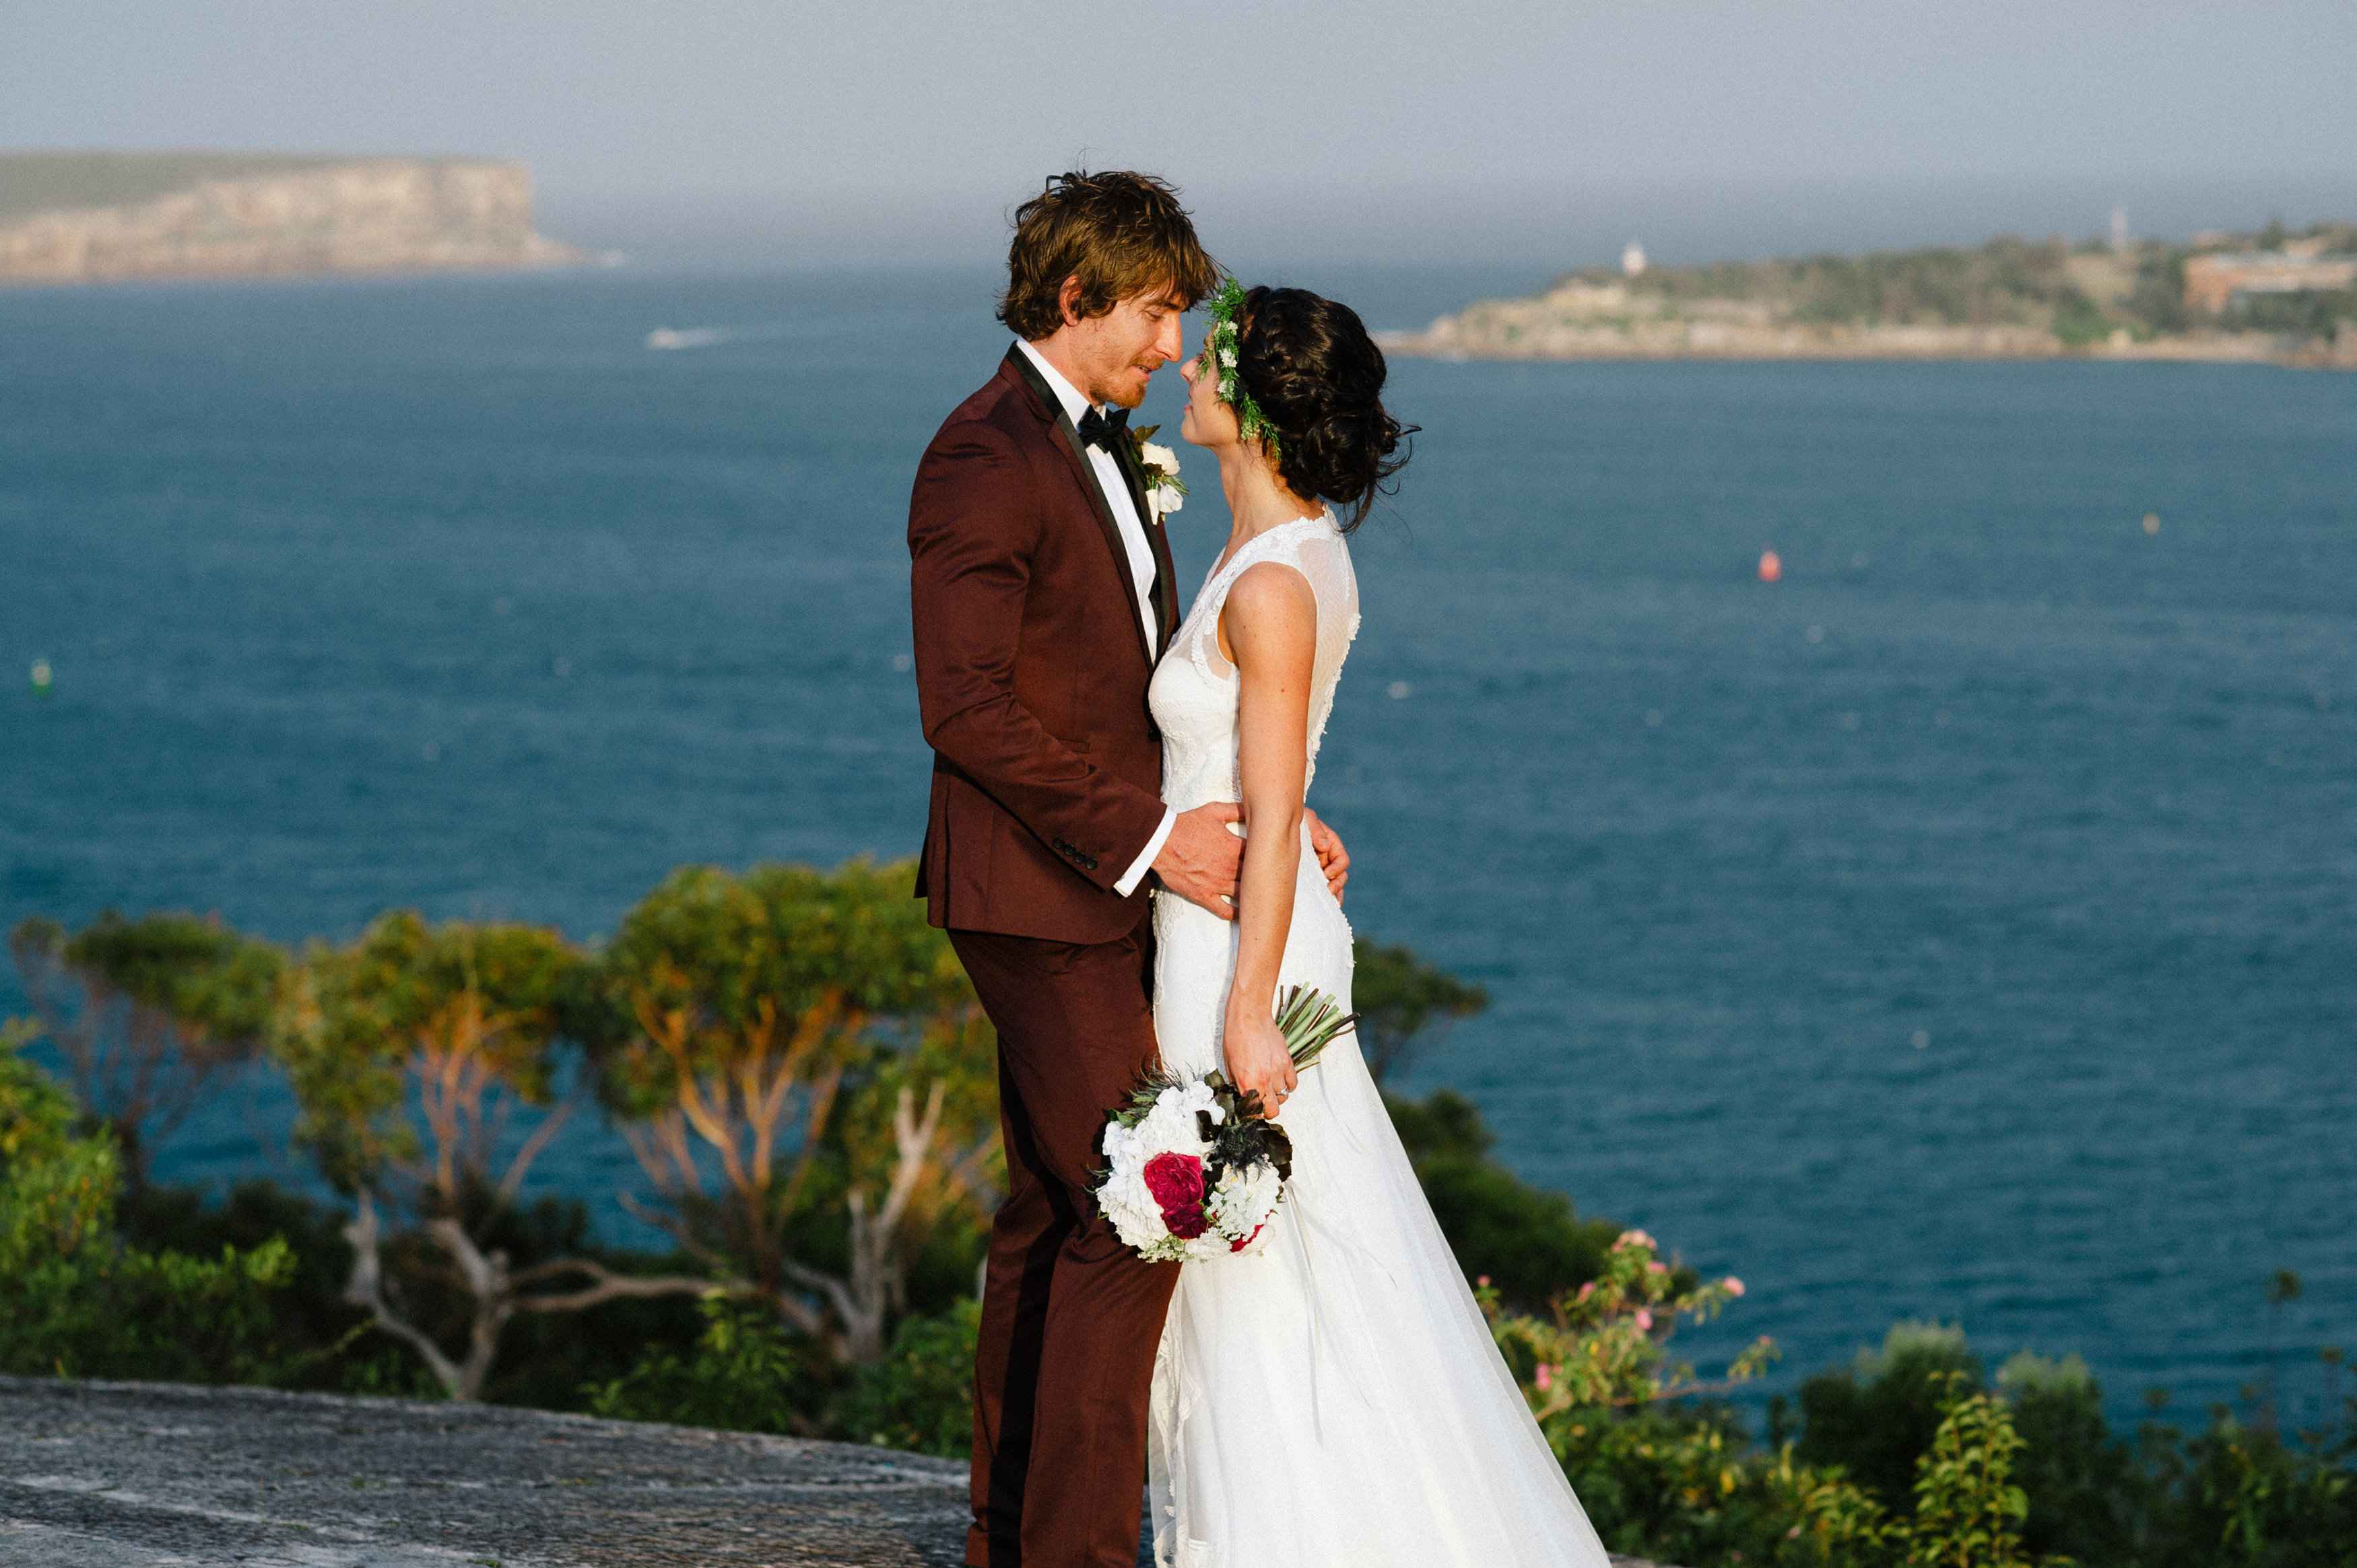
(149, 1475)
(140, 1476)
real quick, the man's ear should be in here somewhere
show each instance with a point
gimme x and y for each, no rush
(1068, 299)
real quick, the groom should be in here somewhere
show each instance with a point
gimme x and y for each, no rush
(1042, 593)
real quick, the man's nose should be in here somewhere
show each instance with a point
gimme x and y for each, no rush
(1167, 340)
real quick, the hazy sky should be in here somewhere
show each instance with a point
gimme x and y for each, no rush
(1467, 130)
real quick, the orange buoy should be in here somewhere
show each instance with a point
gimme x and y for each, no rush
(1771, 566)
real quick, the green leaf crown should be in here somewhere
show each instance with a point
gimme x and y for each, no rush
(1220, 352)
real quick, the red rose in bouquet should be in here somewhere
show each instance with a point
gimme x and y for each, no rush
(1175, 1180)
(1177, 1183)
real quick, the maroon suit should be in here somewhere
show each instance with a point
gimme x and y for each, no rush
(1032, 674)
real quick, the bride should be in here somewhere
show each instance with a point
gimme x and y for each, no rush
(1335, 1402)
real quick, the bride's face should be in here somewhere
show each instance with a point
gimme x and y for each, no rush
(1208, 422)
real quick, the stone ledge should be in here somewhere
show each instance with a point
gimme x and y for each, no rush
(141, 1474)
(102, 1474)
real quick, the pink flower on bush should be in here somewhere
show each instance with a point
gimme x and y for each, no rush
(1633, 1238)
(1545, 1377)
(1657, 1268)
(1733, 1285)
(1585, 1291)
(1644, 1320)
(1481, 1280)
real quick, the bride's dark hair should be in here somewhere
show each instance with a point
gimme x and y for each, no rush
(1318, 379)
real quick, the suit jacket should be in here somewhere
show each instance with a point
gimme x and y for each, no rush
(1031, 673)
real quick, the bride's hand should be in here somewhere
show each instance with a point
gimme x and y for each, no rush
(1258, 1060)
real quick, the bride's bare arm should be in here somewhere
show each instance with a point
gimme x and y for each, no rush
(1271, 625)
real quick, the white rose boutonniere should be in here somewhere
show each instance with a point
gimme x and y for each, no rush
(1166, 492)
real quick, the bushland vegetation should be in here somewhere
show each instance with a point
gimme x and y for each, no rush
(811, 1092)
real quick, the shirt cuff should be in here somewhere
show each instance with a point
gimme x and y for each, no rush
(1130, 878)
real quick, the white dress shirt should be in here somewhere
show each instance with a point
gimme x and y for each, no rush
(1141, 563)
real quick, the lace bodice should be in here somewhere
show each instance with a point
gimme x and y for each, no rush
(1195, 688)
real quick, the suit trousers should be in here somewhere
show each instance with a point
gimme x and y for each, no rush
(1071, 1317)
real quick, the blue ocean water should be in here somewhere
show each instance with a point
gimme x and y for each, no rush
(1960, 928)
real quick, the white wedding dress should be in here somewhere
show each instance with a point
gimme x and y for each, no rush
(1335, 1400)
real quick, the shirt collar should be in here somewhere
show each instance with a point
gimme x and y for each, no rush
(1075, 404)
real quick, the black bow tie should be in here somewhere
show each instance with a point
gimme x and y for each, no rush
(1100, 429)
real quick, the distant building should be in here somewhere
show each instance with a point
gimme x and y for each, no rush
(1632, 259)
(2213, 282)
(2120, 229)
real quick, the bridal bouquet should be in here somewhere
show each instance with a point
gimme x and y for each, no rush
(1194, 1169)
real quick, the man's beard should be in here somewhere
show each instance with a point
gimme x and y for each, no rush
(1121, 398)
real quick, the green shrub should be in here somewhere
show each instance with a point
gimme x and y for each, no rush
(1877, 1417)
(2080, 1481)
(2237, 1494)
(1968, 1512)
(744, 1374)
(921, 1395)
(75, 1300)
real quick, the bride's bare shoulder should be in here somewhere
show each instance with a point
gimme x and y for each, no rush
(1270, 611)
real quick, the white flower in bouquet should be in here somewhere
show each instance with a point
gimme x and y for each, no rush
(1167, 1141)
(1194, 1169)
(1243, 1203)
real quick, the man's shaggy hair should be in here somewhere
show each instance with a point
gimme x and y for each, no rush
(1120, 233)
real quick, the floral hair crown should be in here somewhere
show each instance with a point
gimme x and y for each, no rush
(1220, 348)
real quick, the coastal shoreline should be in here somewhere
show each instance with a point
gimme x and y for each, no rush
(1902, 345)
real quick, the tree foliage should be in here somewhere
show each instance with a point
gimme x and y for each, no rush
(425, 1062)
(1400, 1001)
(774, 1038)
(148, 1013)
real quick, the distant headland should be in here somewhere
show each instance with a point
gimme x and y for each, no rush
(2272, 297)
(74, 217)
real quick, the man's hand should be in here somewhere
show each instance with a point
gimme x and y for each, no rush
(1201, 858)
(1332, 858)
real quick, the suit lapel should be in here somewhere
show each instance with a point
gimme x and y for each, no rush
(1068, 441)
(1165, 583)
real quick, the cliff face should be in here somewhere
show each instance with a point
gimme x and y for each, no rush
(376, 215)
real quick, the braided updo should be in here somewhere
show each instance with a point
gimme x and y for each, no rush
(1318, 379)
